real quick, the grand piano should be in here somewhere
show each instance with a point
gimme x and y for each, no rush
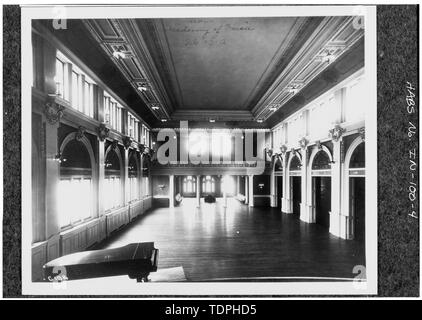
(136, 260)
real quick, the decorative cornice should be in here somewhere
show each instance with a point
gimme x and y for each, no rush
(336, 132)
(283, 149)
(127, 141)
(80, 134)
(103, 132)
(114, 144)
(303, 143)
(331, 39)
(318, 145)
(361, 132)
(53, 112)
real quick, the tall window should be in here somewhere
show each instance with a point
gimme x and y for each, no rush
(112, 112)
(113, 190)
(75, 194)
(208, 184)
(189, 184)
(80, 85)
(61, 79)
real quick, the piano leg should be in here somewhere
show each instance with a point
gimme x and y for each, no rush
(142, 278)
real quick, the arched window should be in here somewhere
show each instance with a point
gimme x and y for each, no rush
(133, 177)
(321, 161)
(75, 191)
(358, 157)
(278, 165)
(112, 181)
(295, 164)
(189, 184)
(208, 184)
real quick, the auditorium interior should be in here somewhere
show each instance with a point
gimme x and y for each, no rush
(143, 130)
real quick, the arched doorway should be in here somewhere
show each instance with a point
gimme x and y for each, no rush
(75, 190)
(278, 176)
(295, 184)
(356, 184)
(113, 191)
(321, 187)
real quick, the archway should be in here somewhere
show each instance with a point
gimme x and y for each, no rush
(355, 185)
(278, 180)
(76, 198)
(295, 184)
(320, 163)
(113, 180)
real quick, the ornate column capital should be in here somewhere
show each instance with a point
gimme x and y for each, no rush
(283, 149)
(103, 131)
(53, 112)
(336, 132)
(127, 141)
(80, 133)
(303, 143)
(114, 144)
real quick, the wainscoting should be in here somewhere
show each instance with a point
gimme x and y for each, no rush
(84, 236)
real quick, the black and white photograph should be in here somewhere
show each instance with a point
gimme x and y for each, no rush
(199, 150)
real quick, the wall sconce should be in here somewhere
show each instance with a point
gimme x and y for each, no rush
(161, 186)
(261, 185)
(59, 158)
(107, 164)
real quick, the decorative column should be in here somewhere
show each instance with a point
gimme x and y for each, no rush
(126, 144)
(285, 199)
(103, 133)
(53, 113)
(198, 194)
(337, 221)
(237, 186)
(250, 189)
(305, 209)
(171, 191)
(246, 190)
(273, 190)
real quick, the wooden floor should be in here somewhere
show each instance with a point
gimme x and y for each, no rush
(240, 243)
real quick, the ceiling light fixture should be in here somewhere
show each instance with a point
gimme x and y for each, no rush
(259, 120)
(155, 107)
(212, 120)
(119, 55)
(163, 120)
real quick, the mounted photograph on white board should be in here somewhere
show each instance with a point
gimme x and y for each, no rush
(193, 150)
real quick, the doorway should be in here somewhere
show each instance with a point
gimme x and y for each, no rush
(322, 199)
(279, 184)
(296, 194)
(357, 207)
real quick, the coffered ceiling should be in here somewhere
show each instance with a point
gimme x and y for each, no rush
(226, 69)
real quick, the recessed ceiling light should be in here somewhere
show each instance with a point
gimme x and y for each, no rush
(119, 55)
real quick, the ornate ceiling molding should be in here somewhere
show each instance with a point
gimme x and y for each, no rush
(123, 43)
(217, 115)
(333, 37)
